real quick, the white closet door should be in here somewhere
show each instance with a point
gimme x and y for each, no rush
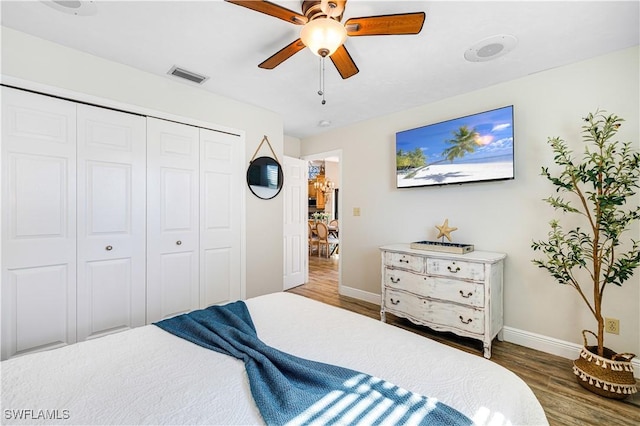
(172, 219)
(220, 225)
(38, 222)
(111, 221)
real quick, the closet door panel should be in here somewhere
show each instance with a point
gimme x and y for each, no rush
(172, 219)
(111, 221)
(38, 222)
(176, 270)
(38, 215)
(106, 296)
(218, 285)
(38, 308)
(219, 217)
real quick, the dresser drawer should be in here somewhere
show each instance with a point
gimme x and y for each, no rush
(404, 261)
(448, 289)
(456, 268)
(435, 312)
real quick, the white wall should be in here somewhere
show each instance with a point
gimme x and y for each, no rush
(41, 62)
(291, 146)
(332, 172)
(500, 216)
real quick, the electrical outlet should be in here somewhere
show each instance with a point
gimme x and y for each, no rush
(356, 211)
(612, 325)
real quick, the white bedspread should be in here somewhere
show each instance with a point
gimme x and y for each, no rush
(148, 376)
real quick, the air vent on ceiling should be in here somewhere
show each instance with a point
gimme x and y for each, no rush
(187, 75)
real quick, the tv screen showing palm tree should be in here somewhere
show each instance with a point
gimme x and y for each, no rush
(474, 148)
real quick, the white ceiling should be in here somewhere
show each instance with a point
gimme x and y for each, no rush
(226, 42)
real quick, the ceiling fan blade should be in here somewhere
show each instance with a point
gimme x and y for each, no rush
(344, 63)
(403, 23)
(272, 9)
(282, 55)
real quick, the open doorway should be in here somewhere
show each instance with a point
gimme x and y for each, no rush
(324, 266)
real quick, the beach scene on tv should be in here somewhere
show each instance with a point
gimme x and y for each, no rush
(474, 148)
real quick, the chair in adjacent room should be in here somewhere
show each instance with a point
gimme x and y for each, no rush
(334, 228)
(313, 240)
(324, 239)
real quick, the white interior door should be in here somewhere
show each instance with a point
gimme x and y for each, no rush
(111, 221)
(38, 222)
(220, 218)
(172, 219)
(295, 221)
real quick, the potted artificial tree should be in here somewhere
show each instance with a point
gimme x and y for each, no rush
(598, 254)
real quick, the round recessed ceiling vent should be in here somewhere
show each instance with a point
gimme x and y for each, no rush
(73, 7)
(491, 48)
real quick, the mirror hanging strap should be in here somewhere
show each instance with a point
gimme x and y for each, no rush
(258, 149)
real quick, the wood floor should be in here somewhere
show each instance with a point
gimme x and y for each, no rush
(550, 377)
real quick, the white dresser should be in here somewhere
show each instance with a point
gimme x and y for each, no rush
(460, 293)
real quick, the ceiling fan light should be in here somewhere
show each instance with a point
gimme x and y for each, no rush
(323, 36)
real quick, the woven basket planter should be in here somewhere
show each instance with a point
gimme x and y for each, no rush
(610, 376)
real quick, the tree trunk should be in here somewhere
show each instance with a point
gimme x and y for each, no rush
(600, 336)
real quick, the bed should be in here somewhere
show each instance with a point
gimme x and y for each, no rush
(148, 376)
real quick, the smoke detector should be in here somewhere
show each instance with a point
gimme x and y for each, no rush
(187, 75)
(73, 7)
(491, 48)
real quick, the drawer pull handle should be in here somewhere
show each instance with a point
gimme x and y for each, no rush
(466, 296)
(394, 280)
(403, 261)
(178, 243)
(453, 271)
(463, 321)
(108, 248)
(394, 302)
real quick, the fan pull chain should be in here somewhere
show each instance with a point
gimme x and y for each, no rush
(321, 91)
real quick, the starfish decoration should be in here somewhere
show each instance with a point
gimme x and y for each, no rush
(445, 230)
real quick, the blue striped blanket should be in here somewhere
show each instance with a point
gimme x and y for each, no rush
(295, 391)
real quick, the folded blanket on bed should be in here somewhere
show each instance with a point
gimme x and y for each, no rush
(292, 390)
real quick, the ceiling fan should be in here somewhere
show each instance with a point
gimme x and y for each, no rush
(324, 33)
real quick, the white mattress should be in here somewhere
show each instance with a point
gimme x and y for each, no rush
(148, 376)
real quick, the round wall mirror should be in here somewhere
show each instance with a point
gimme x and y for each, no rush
(264, 177)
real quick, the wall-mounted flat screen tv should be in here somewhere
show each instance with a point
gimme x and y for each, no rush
(475, 148)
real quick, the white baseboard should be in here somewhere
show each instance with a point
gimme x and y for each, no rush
(551, 345)
(359, 294)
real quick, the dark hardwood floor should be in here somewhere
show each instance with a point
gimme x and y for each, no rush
(550, 377)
